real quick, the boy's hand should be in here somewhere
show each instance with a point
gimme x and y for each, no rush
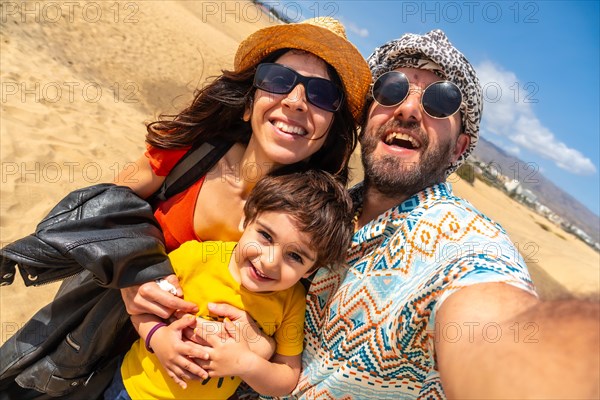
(178, 357)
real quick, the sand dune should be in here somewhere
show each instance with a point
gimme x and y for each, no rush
(77, 89)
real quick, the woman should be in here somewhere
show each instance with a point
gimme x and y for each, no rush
(295, 96)
(274, 118)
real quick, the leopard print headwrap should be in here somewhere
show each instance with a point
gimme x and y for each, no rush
(433, 51)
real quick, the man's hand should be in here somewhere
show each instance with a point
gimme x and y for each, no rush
(148, 298)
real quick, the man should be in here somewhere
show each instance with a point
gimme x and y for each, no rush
(437, 301)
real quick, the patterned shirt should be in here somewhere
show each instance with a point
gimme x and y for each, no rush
(369, 331)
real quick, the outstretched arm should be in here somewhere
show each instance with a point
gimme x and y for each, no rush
(494, 340)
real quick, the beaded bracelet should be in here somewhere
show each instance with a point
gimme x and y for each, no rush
(149, 336)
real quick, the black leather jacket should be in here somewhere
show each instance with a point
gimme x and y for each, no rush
(105, 229)
(103, 237)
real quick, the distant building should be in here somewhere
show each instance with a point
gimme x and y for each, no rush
(528, 196)
(513, 187)
(543, 210)
(556, 219)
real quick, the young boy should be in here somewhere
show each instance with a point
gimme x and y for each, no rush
(294, 224)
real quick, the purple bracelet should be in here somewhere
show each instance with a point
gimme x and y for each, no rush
(149, 336)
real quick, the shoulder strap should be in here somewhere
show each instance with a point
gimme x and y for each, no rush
(191, 167)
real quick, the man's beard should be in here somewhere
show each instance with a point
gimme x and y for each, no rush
(393, 177)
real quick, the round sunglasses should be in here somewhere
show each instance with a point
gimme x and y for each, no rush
(279, 79)
(439, 100)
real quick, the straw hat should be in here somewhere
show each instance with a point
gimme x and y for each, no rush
(324, 37)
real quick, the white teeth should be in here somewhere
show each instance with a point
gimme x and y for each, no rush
(401, 136)
(260, 274)
(294, 130)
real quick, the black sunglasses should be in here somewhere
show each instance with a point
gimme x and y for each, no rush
(441, 99)
(279, 79)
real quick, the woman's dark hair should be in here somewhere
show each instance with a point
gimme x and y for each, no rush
(217, 110)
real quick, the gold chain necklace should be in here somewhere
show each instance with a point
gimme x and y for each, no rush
(356, 216)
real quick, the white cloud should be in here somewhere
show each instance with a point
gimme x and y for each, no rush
(352, 27)
(514, 150)
(508, 113)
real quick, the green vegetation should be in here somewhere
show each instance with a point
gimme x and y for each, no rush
(543, 226)
(466, 172)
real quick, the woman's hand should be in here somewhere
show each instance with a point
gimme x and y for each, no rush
(178, 356)
(231, 355)
(148, 298)
(244, 328)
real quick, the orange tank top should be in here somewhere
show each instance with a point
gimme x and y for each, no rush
(176, 214)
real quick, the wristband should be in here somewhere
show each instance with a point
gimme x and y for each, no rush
(149, 336)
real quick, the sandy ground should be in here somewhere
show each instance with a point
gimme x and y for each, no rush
(79, 81)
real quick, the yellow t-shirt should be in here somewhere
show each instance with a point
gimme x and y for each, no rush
(202, 269)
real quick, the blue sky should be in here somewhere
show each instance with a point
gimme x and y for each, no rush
(538, 62)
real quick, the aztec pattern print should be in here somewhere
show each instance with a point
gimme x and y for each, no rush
(409, 51)
(369, 332)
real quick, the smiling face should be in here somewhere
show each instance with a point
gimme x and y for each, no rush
(286, 128)
(404, 150)
(272, 254)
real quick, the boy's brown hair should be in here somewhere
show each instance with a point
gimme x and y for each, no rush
(316, 201)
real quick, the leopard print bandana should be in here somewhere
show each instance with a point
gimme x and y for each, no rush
(433, 51)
